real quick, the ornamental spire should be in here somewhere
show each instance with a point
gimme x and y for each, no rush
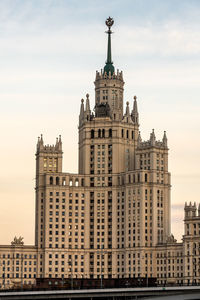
(165, 139)
(134, 113)
(109, 64)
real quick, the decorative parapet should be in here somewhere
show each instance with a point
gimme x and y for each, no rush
(152, 142)
(101, 75)
(147, 144)
(191, 210)
(49, 148)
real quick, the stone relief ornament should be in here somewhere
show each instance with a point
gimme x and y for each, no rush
(17, 241)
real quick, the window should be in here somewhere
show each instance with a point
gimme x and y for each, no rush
(92, 133)
(146, 177)
(57, 180)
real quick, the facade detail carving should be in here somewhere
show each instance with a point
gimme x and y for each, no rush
(17, 241)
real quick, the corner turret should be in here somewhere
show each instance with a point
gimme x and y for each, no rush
(48, 157)
(190, 210)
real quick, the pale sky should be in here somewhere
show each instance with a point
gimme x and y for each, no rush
(49, 53)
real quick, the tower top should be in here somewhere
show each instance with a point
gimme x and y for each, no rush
(109, 64)
(109, 22)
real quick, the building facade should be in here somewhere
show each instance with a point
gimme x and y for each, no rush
(112, 219)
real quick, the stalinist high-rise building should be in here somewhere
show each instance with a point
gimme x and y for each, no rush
(112, 218)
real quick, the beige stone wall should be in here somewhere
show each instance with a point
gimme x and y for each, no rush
(18, 266)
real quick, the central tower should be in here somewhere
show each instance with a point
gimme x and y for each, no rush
(108, 125)
(109, 85)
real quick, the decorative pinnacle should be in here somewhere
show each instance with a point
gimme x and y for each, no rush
(109, 64)
(135, 97)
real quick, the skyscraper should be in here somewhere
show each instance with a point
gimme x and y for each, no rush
(112, 218)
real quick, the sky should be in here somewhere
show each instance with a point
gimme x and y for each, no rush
(49, 53)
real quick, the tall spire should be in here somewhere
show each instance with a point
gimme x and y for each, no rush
(109, 64)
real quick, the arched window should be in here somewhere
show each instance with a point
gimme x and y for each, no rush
(110, 132)
(57, 180)
(63, 181)
(51, 180)
(92, 133)
(70, 182)
(127, 134)
(132, 135)
(103, 133)
(82, 182)
(134, 178)
(99, 133)
(122, 133)
(76, 182)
